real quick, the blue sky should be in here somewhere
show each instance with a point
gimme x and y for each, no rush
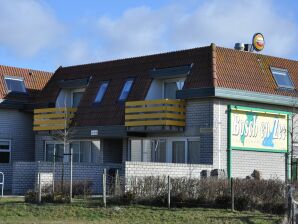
(44, 34)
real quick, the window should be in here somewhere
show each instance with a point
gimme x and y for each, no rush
(126, 89)
(5, 151)
(282, 78)
(58, 148)
(171, 86)
(76, 97)
(101, 92)
(159, 149)
(84, 152)
(178, 151)
(193, 152)
(15, 84)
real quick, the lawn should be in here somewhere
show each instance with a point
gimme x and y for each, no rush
(14, 210)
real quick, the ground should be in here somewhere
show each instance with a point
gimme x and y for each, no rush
(14, 210)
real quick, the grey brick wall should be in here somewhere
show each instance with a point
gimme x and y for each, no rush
(271, 165)
(142, 169)
(17, 127)
(25, 173)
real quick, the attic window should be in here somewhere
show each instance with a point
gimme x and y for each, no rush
(126, 89)
(101, 92)
(15, 84)
(282, 78)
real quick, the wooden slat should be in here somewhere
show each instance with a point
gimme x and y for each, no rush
(154, 109)
(47, 128)
(154, 115)
(49, 110)
(155, 122)
(52, 121)
(150, 102)
(43, 116)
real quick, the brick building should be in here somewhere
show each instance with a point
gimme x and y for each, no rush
(175, 113)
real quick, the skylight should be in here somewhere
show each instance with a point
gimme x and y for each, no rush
(101, 92)
(126, 89)
(15, 84)
(282, 78)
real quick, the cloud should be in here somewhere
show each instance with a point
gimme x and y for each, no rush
(142, 30)
(27, 27)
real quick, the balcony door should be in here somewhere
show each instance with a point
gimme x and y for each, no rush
(171, 86)
(76, 97)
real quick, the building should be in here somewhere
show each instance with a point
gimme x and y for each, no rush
(175, 113)
(18, 89)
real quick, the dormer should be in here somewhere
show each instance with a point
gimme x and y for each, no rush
(71, 92)
(167, 81)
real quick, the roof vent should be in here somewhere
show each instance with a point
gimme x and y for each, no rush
(239, 46)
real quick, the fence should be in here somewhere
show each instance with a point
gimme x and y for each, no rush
(239, 194)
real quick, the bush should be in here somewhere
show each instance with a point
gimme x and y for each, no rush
(31, 196)
(250, 194)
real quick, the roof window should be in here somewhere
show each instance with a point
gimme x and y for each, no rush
(282, 78)
(15, 84)
(126, 89)
(101, 92)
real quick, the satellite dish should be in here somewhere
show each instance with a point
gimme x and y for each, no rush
(258, 42)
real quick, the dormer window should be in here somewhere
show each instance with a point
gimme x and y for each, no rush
(101, 92)
(126, 90)
(282, 78)
(171, 86)
(15, 84)
(76, 97)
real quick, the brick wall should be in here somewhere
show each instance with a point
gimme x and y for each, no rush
(142, 169)
(271, 165)
(25, 173)
(16, 126)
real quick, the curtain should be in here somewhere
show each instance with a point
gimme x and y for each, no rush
(194, 152)
(178, 152)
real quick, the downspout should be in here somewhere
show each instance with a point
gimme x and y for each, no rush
(219, 134)
(229, 152)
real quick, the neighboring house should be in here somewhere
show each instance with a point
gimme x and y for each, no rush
(18, 89)
(175, 113)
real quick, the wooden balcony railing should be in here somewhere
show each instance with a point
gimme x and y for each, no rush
(53, 118)
(163, 112)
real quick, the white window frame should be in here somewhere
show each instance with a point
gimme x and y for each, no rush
(168, 81)
(16, 79)
(66, 158)
(169, 146)
(82, 90)
(5, 150)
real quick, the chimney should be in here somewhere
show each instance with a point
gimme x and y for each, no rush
(239, 46)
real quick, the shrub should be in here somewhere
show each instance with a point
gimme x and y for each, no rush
(31, 196)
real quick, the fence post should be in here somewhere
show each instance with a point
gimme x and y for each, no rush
(116, 188)
(169, 192)
(232, 195)
(104, 185)
(39, 188)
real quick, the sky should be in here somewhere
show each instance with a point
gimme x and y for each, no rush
(46, 34)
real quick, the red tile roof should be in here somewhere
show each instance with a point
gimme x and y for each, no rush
(212, 67)
(34, 83)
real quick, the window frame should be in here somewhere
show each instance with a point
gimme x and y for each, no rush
(104, 93)
(281, 70)
(169, 81)
(15, 78)
(123, 87)
(82, 90)
(7, 150)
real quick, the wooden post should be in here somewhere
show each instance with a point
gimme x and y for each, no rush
(116, 188)
(70, 190)
(104, 185)
(169, 192)
(39, 187)
(232, 195)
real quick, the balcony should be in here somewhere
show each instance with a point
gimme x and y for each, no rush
(155, 115)
(49, 119)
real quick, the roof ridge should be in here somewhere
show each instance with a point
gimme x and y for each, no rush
(213, 64)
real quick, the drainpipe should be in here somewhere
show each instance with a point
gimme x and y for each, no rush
(219, 133)
(229, 150)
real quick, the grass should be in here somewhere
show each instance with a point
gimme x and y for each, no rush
(14, 210)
